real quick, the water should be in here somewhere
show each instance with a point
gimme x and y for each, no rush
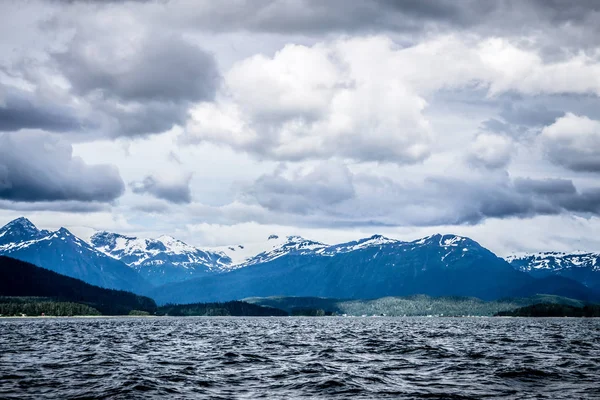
(333, 358)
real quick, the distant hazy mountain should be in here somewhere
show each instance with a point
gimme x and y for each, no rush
(584, 267)
(161, 260)
(60, 251)
(19, 278)
(439, 265)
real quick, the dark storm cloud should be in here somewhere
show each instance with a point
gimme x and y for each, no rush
(586, 202)
(37, 167)
(175, 191)
(322, 187)
(545, 186)
(364, 199)
(59, 206)
(578, 21)
(163, 68)
(314, 16)
(146, 118)
(141, 90)
(21, 110)
(470, 202)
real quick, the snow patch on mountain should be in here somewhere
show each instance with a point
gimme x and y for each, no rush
(137, 252)
(555, 261)
(373, 241)
(275, 246)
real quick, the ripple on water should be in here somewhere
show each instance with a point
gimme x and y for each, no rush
(358, 358)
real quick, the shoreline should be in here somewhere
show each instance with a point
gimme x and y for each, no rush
(289, 316)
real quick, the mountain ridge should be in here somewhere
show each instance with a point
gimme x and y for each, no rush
(160, 260)
(376, 266)
(62, 252)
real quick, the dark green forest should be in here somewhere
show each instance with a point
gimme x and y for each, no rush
(230, 308)
(22, 279)
(417, 305)
(553, 310)
(37, 306)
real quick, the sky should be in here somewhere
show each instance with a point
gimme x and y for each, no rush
(224, 122)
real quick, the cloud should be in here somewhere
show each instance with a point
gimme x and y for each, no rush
(22, 110)
(574, 142)
(490, 151)
(340, 100)
(545, 186)
(564, 23)
(365, 99)
(138, 119)
(320, 187)
(36, 166)
(69, 206)
(138, 86)
(173, 188)
(359, 199)
(120, 76)
(152, 68)
(530, 116)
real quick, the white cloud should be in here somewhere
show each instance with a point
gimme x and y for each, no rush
(364, 99)
(330, 100)
(490, 151)
(574, 142)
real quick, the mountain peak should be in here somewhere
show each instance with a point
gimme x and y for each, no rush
(167, 238)
(365, 243)
(19, 230)
(298, 239)
(381, 238)
(444, 240)
(172, 242)
(20, 222)
(64, 231)
(375, 240)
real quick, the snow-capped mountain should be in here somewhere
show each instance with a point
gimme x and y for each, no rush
(368, 268)
(62, 252)
(291, 245)
(583, 267)
(372, 267)
(278, 246)
(19, 230)
(555, 261)
(160, 260)
(373, 241)
(243, 254)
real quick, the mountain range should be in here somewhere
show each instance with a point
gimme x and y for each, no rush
(171, 271)
(583, 267)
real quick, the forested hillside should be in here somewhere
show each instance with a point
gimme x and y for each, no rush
(20, 279)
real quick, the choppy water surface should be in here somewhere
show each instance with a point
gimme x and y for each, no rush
(227, 358)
